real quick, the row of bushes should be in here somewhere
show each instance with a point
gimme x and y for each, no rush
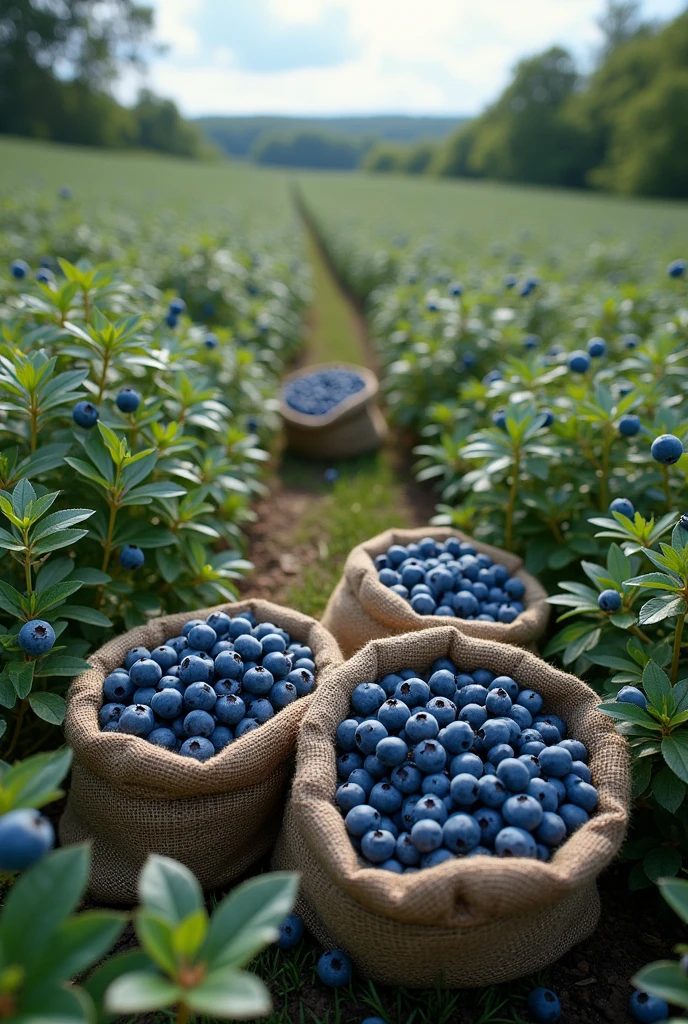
(532, 398)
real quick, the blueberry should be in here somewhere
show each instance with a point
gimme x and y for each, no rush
(378, 846)
(492, 792)
(430, 807)
(632, 695)
(25, 837)
(393, 714)
(579, 362)
(244, 726)
(552, 829)
(128, 400)
(427, 835)
(349, 795)
(367, 698)
(443, 710)
(303, 681)
(609, 601)
(573, 816)
(228, 665)
(368, 735)
(522, 811)
(334, 968)
(583, 795)
(167, 703)
(131, 557)
(430, 756)
(248, 647)
(163, 737)
(145, 672)
(135, 655)
(278, 664)
(110, 714)
(198, 723)
(467, 762)
(85, 415)
(677, 268)
(490, 822)
(555, 761)
(421, 726)
(647, 1008)
(666, 449)
(229, 709)
(361, 819)
(515, 842)
(176, 306)
(261, 710)
(406, 852)
(137, 719)
(461, 832)
(36, 637)
(413, 692)
(406, 778)
(596, 347)
(282, 694)
(629, 425)
(544, 1006)
(513, 774)
(291, 932)
(221, 737)
(198, 747)
(545, 792)
(19, 269)
(392, 751)
(465, 789)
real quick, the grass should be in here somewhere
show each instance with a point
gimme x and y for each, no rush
(335, 329)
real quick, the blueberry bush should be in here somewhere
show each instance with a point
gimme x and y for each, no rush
(151, 400)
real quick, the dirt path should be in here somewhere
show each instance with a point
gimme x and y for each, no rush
(305, 526)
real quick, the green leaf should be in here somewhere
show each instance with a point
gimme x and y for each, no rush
(31, 782)
(249, 919)
(10, 600)
(114, 967)
(668, 790)
(61, 665)
(61, 521)
(141, 991)
(10, 543)
(48, 706)
(169, 889)
(8, 694)
(618, 564)
(664, 979)
(44, 895)
(87, 471)
(156, 936)
(628, 713)
(663, 860)
(675, 892)
(63, 539)
(53, 595)
(78, 943)
(622, 620)
(82, 613)
(22, 495)
(230, 993)
(655, 581)
(21, 677)
(91, 577)
(660, 608)
(54, 571)
(658, 688)
(54, 1004)
(640, 779)
(189, 935)
(675, 753)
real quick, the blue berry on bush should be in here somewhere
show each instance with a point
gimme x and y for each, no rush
(19, 269)
(85, 415)
(544, 1006)
(131, 557)
(176, 306)
(579, 362)
(36, 637)
(648, 1009)
(25, 837)
(666, 449)
(629, 425)
(128, 400)
(211, 340)
(596, 347)
(677, 268)
(334, 968)
(609, 600)
(623, 506)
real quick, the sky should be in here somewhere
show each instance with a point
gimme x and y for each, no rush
(329, 57)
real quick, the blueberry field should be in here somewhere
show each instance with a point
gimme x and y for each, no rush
(324, 704)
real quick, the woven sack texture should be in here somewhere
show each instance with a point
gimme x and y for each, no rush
(131, 798)
(448, 920)
(361, 608)
(351, 428)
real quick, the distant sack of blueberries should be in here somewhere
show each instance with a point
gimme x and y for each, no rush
(451, 579)
(318, 393)
(201, 690)
(442, 764)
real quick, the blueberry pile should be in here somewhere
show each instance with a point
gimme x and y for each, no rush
(448, 764)
(451, 578)
(199, 691)
(317, 393)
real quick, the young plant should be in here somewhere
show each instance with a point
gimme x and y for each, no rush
(194, 960)
(668, 979)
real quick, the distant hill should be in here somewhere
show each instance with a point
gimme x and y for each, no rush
(241, 137)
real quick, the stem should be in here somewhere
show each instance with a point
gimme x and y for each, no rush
(512, 502)
(667, 489)
(103, 375)
(606, 452)
(182, 1014)
(637, 631)
(677, 648)
(17, 728)
(107, 549)
(87, 306)
(27, 564)
(34, 424)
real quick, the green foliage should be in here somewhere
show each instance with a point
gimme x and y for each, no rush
(194, 960)
(307, 149)
(668, 979)
(34, 781)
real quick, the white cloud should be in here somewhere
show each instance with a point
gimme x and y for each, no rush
(438, 56)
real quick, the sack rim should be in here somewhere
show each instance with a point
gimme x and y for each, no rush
(344, 410)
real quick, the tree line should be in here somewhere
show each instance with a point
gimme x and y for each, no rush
(623, 128)
(58, 62)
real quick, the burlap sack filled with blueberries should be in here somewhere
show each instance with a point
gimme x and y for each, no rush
(468, 921)
(351, 428)
(131, 798)
(362, 609)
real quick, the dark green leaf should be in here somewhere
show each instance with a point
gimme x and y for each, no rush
(30, 782)
(249, 918)
(664, 979)
(61, 665)
(628, 713)
(668, 790)
(63, 539)
(675, 753)
(100, 980)
(10, 600)
(169, 890)
(78, 943)
(54, 571)
(662, 861)
(48, 706)
(21, 677)
(61, 521)
(53, 595)
(230, 993)
(155, 935)
(675, 892)
(658, 688)
(659, 608)
(82, 613)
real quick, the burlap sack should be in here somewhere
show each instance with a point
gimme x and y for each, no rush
(131, 798)
(471, 921)
(351, 428)
(361, 608)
